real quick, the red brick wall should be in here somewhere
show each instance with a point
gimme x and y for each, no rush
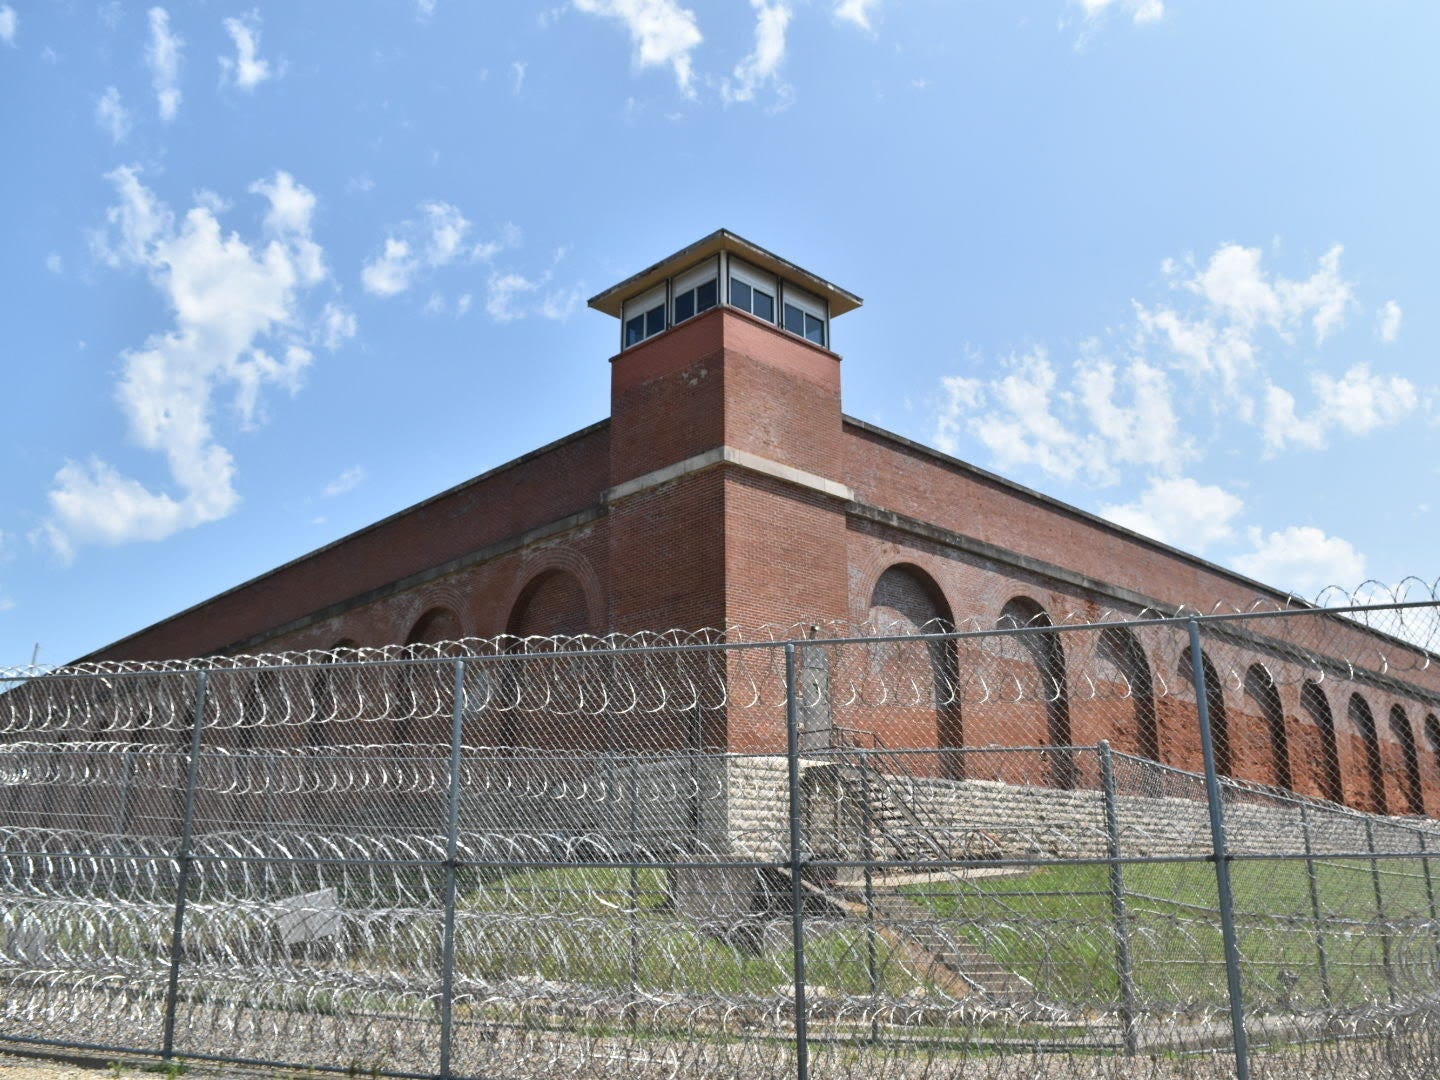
(531, 492)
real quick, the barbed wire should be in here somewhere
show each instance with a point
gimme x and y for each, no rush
(1379, 596)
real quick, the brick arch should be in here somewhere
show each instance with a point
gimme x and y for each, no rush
(1324, 767)
(907, 593)
(1410, 785)
(327, 687)
(1121, 649)
(563, 569)
(437, 623)
(905, 598)
(419, 605)
(1362, 722)
(1261, 689)
(552, 604)
(885, 558)
(1215, 700)
(1047, 653)
(1432, 736)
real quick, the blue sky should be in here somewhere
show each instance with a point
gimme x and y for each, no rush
(273, 271)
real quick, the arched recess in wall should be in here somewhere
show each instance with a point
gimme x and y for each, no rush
(1260, 688)
(1120, 648)
(907, 600)
(426, 687)
(1363, 721)
(1215, 700)
(1048, 655)
(552, 604)
(327, 689)
(1324, 768)
(1410, 777)
(1432, 736)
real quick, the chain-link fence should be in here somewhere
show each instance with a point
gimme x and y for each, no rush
(989, 853)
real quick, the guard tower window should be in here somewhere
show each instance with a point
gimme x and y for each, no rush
(644, 316)
(804, 315)
(697, 290)
(752, 291)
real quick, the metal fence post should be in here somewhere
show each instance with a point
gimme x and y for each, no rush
(867, 842)
(633, 854)
(452, 843)
(185, 857)
(1380, 911)
(1315, 904)
(797, 864)
(1430, 891)
(1226, 898)
(1124, 962)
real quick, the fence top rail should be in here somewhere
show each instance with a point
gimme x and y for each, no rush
(507, 649)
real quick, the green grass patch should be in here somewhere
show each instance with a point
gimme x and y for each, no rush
(1056, 927)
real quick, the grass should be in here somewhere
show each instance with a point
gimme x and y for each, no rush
(1056, 927)
(601, 927)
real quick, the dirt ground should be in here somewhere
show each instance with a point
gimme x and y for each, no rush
(16, 1067)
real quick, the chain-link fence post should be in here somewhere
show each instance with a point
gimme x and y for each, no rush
(1429, 889)
(867, 852)
(1319, 922)
(185, 857)
(797, 863)
(1379, 891)
(1124, 962)
(452, 847)
(633, 855)
(1215, 800)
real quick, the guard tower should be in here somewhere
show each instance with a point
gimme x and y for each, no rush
(726, 445)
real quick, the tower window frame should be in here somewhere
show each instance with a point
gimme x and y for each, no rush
(644, 317)
(805, 316)
(695, 291)
(753, 291)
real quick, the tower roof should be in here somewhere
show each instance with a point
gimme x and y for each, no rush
(612, 300)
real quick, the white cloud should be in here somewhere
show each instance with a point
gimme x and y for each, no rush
(1180, 511)
(390, 272)
(348, 480)
(54, 263)
(663, 33)
(1217, 343)
(447, 228)
(1021, 428)
(1301, 559)
(856, 11)
(437, 239)
(238, 324)
(1142, 11)
(9, 24)
(247, 70)
(1357, 403)
(337, 326)
(1146, 431)
(162, 56)
(517, 76)
(112, 116)
(510, 296)
(1103, 415)
(424, 9)
(1237, 289)
(762, 65)
(1389, 322)
(503, 291)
